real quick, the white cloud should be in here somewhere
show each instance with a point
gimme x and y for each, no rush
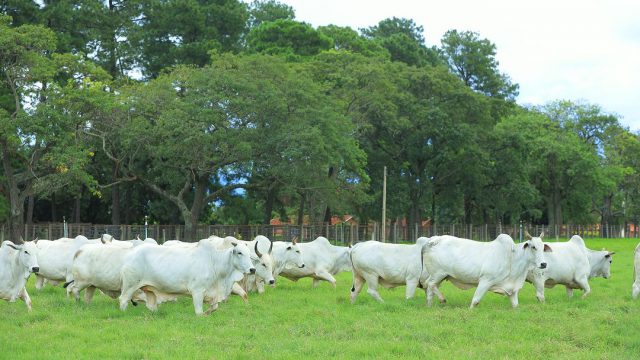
(567, 49)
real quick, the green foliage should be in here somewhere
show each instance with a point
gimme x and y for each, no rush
(473, 60)
(404, 41)
(287, 38)
(261, 11)
(347, 39)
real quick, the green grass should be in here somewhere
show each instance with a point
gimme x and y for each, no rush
(295, 321)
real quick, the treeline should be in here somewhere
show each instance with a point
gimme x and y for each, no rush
(226, 112)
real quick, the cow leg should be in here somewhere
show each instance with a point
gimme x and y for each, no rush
(260, 286)
(88, 294)
(127, 294)
(151, 301)
(198, 299)
(482, 289)
(635, 289)
(213, 306)
(569, 292)
(584, 284)
(39, 282)
(25, 297)
(514, 299)
(538, 283)
(358, 283)
(372, 284)
(410, 291)
(238, 290)
(433, 283)
(325, 275)
(53, 282)
(316, 282)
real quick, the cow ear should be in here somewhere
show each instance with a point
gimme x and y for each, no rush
(288, 247)
(547, 248)
(234, 243)
(609, 254)
(526, 245)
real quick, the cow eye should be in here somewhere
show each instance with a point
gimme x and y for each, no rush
(298, 251)
(239, 253)
(265, 265)
(289, 248)
(533, 248)
(26, 252)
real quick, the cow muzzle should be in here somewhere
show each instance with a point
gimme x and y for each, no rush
(301, 266)
(543, 265)
(35, 269)
(271, 282)
(252, 271)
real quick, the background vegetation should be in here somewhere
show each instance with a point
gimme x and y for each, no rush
(226, 112)
(295, 320)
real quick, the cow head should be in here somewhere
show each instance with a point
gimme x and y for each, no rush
(601, 265)
(264, 265)
(293, 255)
(537, 249)
(27, 254)
(241, 258)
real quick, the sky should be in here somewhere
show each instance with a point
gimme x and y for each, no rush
(586, 50)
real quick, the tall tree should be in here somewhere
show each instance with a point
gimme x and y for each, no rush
(172, 32)
(473, 60)
(287, 38)
(261, 11)
(404, 40)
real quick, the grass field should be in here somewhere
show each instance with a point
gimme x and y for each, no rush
(296, 321)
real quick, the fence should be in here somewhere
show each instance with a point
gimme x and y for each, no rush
(341, 233)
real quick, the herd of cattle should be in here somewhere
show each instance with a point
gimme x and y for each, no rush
(214, 268)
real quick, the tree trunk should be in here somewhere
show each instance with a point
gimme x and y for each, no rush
(192, 216)
(30, 204)
(16, 220)
(54, 209)
(301, 210)
(115, 196)
(77, 208)
(268, 206)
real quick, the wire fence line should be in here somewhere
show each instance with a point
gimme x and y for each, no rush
(344, 233)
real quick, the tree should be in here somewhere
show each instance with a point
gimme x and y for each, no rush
(172, 32)
(288, 38)
(473, 60)
(39, 145)
(347, 39)
(404, 41)
(261, 11)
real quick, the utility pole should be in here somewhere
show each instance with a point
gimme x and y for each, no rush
(384, 206)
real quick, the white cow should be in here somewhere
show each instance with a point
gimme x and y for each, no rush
(17, 262)
(571, 264)
(389, 265)
(202, 271)
(635, 288)
(286, 255)
(55, 257)
(262, 262)
(321, 261)
(500, 266)
(98, 266)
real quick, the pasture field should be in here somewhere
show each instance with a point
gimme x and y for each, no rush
(296, 321)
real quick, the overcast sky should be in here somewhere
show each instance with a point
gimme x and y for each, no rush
(554, 49)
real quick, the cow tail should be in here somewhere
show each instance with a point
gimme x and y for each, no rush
(67, 284)
(353, 270)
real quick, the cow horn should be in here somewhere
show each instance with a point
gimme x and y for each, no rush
(294, 240)
(102, 240)
(20, 241)
(527, 235)
(257, 251)
(270, 247)
(138, 237)
(542, 234)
